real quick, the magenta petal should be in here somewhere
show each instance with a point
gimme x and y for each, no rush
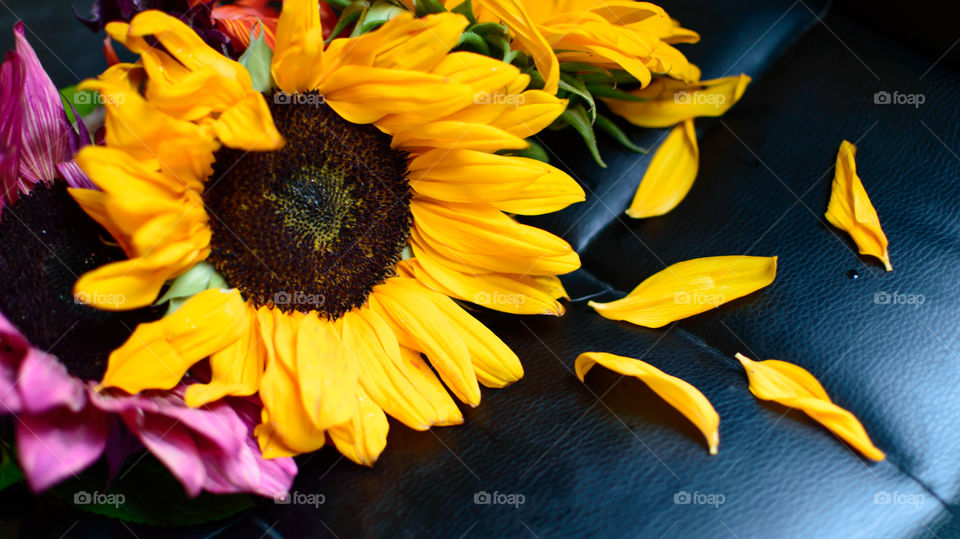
(11, 122)
(45, 384)
(13, 348)
(74, 175)
(173, 445)
(47, 135)
(57, 444)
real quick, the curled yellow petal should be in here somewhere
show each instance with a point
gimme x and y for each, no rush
(668, 101)
(687, 399)
(851, 211)
(794, 387)
(670, 175)
(158, 354)
(690, 287)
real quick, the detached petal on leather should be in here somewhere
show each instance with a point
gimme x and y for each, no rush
(794, 387)
(687, 399)
(670, 175)
(851, 211)
(667, 101)
(690, 287)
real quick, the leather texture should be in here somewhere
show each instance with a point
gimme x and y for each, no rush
(608, 458)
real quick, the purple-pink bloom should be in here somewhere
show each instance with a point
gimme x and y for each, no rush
(38, 140)
(62, 427)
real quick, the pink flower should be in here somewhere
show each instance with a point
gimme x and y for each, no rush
(53, 349)
(38, 142)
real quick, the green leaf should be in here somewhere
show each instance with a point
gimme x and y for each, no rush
(374, 17)
(200, 277)
(82, 101)
(351, 14)
(338, 4)
(473, 43)
(535, 151)
(614, 131)
(489, 29)
(146, 493)
(613, 93)
(616, 76)
(257, 60)
(10, 472)
(576, 87)
(426, 7)
(577, 117)
(466, 9)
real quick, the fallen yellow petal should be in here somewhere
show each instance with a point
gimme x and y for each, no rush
(850, 208)
(794, 387)
(687, 399)
(670, 175)
(690, 287)
(668, 101)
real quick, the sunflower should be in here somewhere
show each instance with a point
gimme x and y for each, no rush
(344, 211)
(636, 37)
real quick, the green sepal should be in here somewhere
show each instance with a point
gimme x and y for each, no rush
(376, 16)
(427, 7)
(257, 59)
(465, 8)
(472, 43)
(338, 4)
(614, 131)
(351, 14)
(577, 117)
(576, 87)
(200, 277)
(534, 151)
(613, 93)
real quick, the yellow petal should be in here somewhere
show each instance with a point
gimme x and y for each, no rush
(690, 287)
(509, 293)
(287, 428)
(327, 373)
(158, 354)
(850, 208)
(669, 101)
(420, 324)
(513, 13)
(687, 399)
(234, 370)
(456, 135)
(298, 53)
(364, 437)
(248, 125)
(794, 387)
(404, 387)
(670, 175)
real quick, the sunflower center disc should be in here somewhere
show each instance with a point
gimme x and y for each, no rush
(315, 225)
(46, 242)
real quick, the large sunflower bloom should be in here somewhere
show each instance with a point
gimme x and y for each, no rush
(636, 37)
(345, 214)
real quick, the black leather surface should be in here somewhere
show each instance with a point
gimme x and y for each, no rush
(607, 458)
